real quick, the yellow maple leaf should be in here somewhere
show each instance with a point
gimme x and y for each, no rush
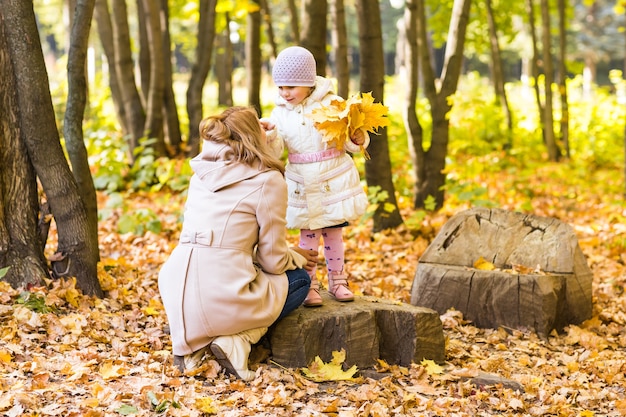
(319, 371)
(485, 265)
(431, 367)
(110, 371)
(5, 356)
(338, 121)
(206, 405)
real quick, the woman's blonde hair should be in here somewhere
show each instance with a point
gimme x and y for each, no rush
(239, 128)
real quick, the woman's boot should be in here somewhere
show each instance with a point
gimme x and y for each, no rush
(338, 286)
(313, 298)
(232, 352)
(193, 360)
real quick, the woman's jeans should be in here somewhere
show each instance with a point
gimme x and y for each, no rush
(299, 284)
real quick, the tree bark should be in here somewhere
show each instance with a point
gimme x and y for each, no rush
(433, 178)
(372, 71)
(170, 109)
(76, 255)
(124, 68)
(267, 17)
(199, 72)
(156, 90)
(105, 34)
(411, 64)
(74, 115)
(548, 68)
(224, 71)
(253, 58)
(564, 137)
(497, 74)
(313, 32)
(21, 250)
(295, 21)
(340, 47)
(534, 68)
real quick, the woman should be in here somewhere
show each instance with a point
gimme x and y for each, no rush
(232, 274)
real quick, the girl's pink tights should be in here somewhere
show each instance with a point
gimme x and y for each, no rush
(333, 246)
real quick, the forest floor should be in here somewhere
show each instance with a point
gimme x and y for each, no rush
(65, 354)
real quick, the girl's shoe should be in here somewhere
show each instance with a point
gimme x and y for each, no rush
(338, 287)
(313, 298)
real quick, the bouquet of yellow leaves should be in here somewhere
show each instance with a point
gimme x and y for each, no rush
(338, 121)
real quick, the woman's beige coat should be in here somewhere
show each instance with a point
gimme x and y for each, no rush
(227, 274)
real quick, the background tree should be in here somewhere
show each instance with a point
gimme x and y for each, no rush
(199, 72)
(339, 42)
(372, 72)
(21, 249)
(430, 175)
(125, 73)
(562, 77)
(554, 152)
(253, 55)
(77, 254)
(75, 113)
(313, 34)
(497, 72)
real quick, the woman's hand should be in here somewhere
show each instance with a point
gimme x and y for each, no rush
(310, 255)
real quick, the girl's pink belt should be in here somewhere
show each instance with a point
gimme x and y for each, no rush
(305, 158)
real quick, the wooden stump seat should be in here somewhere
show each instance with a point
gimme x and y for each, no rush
(541, 279)
(367, 328)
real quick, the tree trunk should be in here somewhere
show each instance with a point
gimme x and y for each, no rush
(156, 91)
(433, 178)
(295, 21)
(74, 114)
(253, 59)
(199, 72)
(313, 33)
(340, 48)
(76, 255)
(224, 71)
(534, 68)
(124, 68)
(170, 109)
(144, 50)
(410, 53)
(267, 17)
(548, 73)
(21, 250)
(372, 71)
(498, 75)
(563, 77)
(105, 34)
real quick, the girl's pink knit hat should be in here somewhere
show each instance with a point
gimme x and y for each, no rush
(294, 67)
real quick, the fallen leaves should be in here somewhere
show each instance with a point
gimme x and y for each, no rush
(64, 354)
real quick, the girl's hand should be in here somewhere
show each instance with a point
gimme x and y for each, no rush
(267, 125)
(358, 138)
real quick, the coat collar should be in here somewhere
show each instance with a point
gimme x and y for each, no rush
(216, 169)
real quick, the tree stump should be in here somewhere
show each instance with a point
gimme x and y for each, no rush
(367, 329)
(541, 279)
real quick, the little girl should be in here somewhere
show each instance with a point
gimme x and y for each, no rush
(324, 186)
